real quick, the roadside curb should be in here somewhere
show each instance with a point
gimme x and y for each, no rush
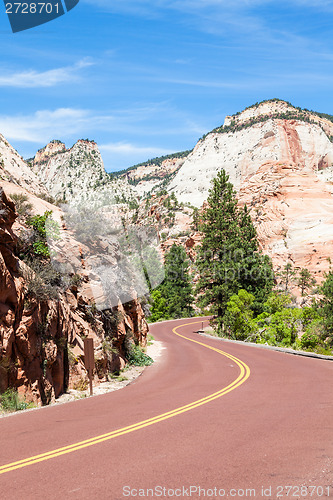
(271, 347)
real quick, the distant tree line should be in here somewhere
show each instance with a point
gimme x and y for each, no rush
(154, 161)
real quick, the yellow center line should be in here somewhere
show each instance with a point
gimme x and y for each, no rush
(242, 377)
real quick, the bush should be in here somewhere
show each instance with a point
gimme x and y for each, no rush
(137, 357)
(23, 207)
(42, 281)
(277, 302)
(285, 325)
(238, 316)
(46, 197)
(159, 309)
(309, 341)
(44, 227)
(10, 401)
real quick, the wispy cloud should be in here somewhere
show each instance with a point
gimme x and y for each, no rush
(44, 125)
(220, 17)
(34, 79)
(127, 148)
(203, 83)
(153, 6)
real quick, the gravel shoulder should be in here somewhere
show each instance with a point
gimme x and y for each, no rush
(126, 377)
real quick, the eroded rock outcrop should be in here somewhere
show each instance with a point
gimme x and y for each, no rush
(77, 174)
(41, 339)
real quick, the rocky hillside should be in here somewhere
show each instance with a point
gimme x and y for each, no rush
(47, 307)
(77, 175)
(270, 131)
(15, 170)
(154, 175)
(44, 317)
(280, 160)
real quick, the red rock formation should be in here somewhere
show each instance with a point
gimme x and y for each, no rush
(48, 151)
(41, 340)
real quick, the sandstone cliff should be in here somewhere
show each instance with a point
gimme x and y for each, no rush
(279, 159)
(78, 175)
(41, 333)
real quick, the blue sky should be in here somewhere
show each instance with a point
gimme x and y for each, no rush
(146, 78)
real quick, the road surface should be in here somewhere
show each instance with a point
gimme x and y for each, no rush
(208, 420)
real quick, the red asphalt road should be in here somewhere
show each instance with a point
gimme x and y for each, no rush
(274, 430)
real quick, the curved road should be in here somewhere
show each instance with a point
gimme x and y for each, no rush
(208, 420)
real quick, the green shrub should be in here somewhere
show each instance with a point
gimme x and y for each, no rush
(284, 325)
(42, 281)
(276, 302)
(46, 197)
(159, 309)
(309, 341)
(238, 317)
(23, 207)
(137, 357)
(10, 401)
(44, 227)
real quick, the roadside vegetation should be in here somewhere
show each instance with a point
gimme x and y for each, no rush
(10, 402)
(173, 298)
(236, 284)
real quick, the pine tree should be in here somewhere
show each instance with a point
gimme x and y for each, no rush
(305, 281)
(228, 259)
(326, 304)
(176, 287)
(173, 298)
(287, 276)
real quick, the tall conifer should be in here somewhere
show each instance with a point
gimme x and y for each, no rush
(228, 259)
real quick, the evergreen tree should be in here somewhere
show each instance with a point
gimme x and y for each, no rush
(176, 287)
(305, 280)
(173, 298)
(228, 259)
(287, 276)
(326, 304)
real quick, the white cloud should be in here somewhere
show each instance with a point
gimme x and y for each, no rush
(34, 79)
(120, 155)
(126, 148)
(44, 125)
(204, 83)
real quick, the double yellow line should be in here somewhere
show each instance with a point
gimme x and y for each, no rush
(243, 376)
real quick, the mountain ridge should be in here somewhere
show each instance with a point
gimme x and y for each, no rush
(260, 148)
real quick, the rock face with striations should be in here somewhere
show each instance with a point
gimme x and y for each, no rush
(280, 160)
